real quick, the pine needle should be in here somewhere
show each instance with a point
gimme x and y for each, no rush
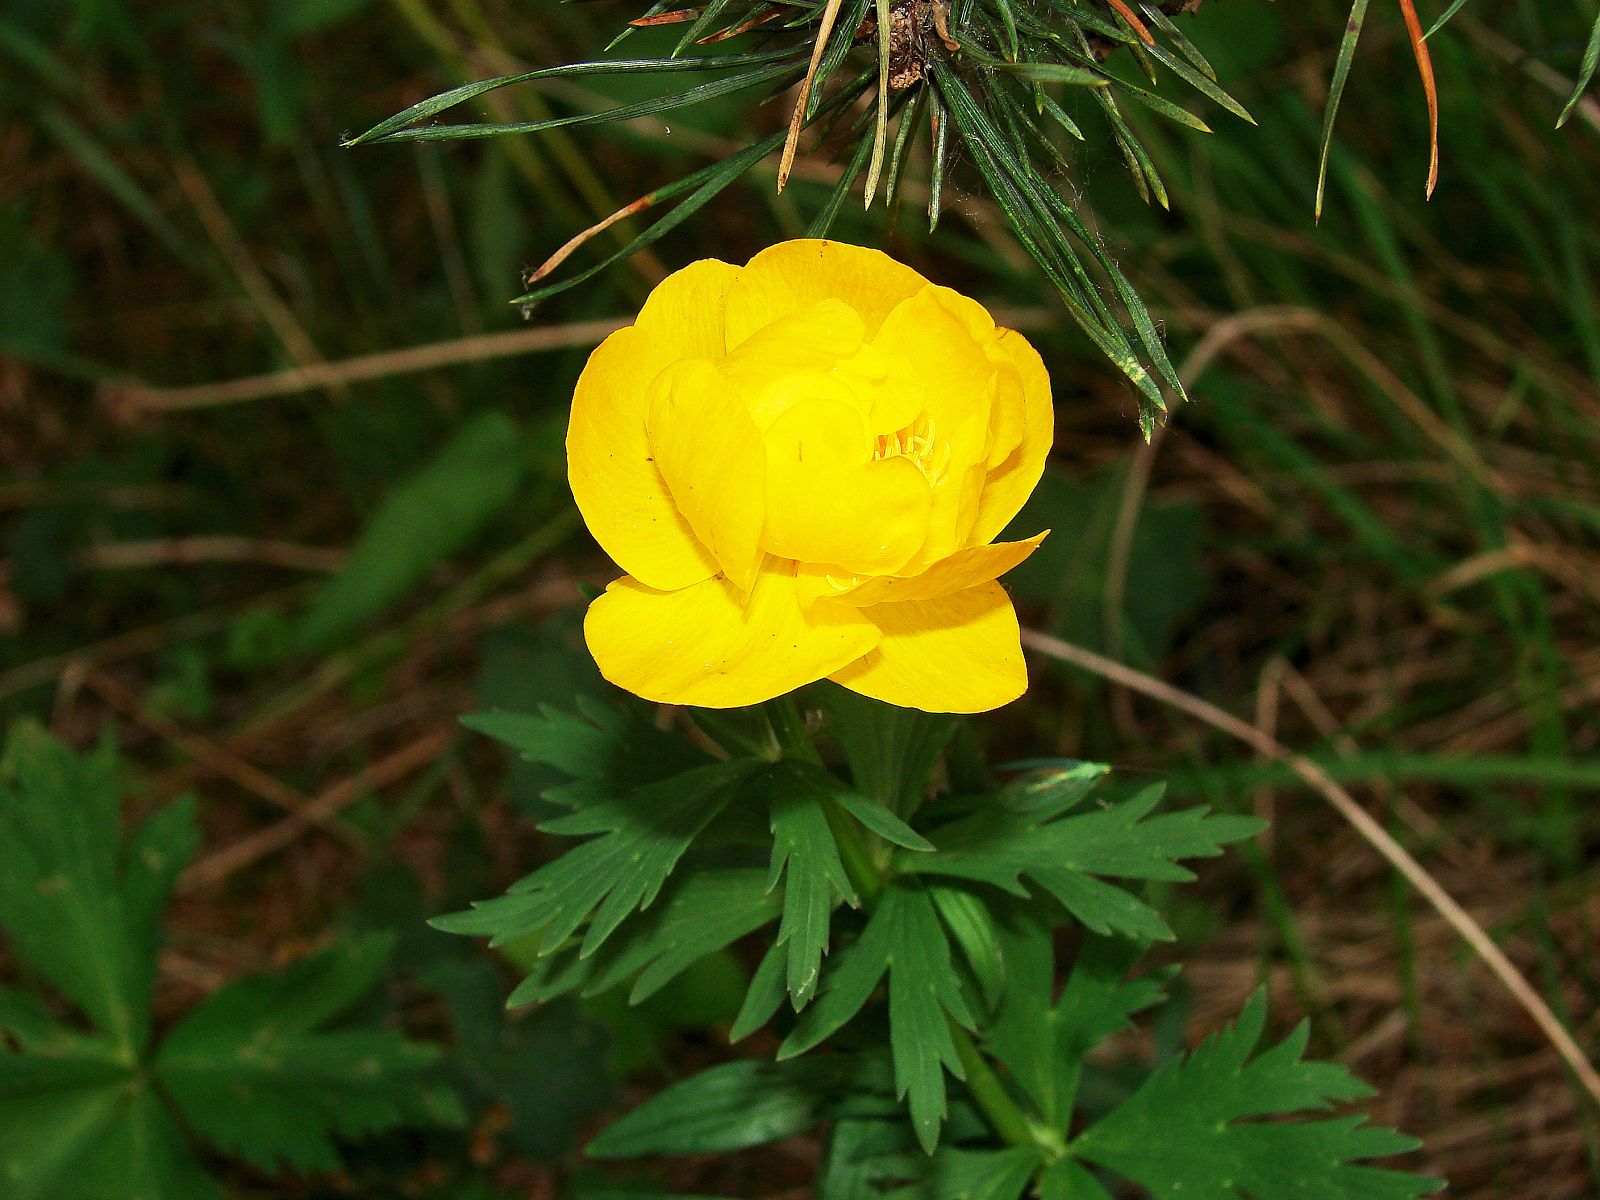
(880, 135)
(1419, 47)
(797, 121)
(1134, 23)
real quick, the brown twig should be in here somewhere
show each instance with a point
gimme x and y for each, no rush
(137, 398)
(218, 759)
(1470, 931)
(177, 552)
(220, 864)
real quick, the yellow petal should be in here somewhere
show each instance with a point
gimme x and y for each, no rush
(829, 501)
(711, 456)
(1009, 485)
(936, 340)
(813, 338)
(959, 653)
(685, 310)
(962, 570)
(790, 276)
(619, 490)
(711, 646)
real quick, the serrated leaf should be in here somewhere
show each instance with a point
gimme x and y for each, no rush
(974, 1175)
(905, 941)
(601, 748)
(1043, 1040)
(972, 927)
(427, 516)
(731, 1106)
(806, 860)
(256, 1069)
(1067, 855)
(1187, 1130)
(764, 996)
(638, 839)
(76, 906)
(697, 917)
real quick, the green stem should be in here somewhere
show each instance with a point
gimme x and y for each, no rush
(991, 1097)
(789, 727)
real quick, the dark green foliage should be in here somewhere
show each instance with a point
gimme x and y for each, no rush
(265, 1068)
(947, 944)
(733, 1106)
(1185, 1130)
(903, 941)
(1038, 836)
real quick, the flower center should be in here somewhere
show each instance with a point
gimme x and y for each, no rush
(918, 442)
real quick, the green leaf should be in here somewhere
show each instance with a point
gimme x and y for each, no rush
(77, 907)
(892, 752)
(768, 987)
(972, 927)
(601, 748)
(639, 837)
(905, 941)
(1341, 74)
(698, 916)
(975, 1175)
(257, 1070)
(426, 109)
(806, 858)
(1043, 1040)
(1586, 70)
(427, 517)
(1185, 1131)
(732, 1106)
(1066, 855)
(877, 818)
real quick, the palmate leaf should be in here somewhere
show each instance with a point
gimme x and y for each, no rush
(635, 840)
(87, 1116)
(1067, 852)
(1186, 1130)
(257, 1070)
(79, 907)
(905, 941)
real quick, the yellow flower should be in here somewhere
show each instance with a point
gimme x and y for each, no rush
(803, 464)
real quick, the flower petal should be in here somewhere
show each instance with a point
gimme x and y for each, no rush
(708, 645)
(685, 310)
(711, 456)
(830, 501)
(962, 570)
(795, 275)
(1009, 484)
(619, 490)
(959, 653)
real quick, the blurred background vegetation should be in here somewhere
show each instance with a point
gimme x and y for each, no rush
(1375, 532)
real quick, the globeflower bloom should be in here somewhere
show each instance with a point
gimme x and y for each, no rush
(803, 464)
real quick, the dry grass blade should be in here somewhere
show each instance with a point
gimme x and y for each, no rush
(133, 400)
(797, 120)
(1134, 23)
(1345, 805)
(1419, 47)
